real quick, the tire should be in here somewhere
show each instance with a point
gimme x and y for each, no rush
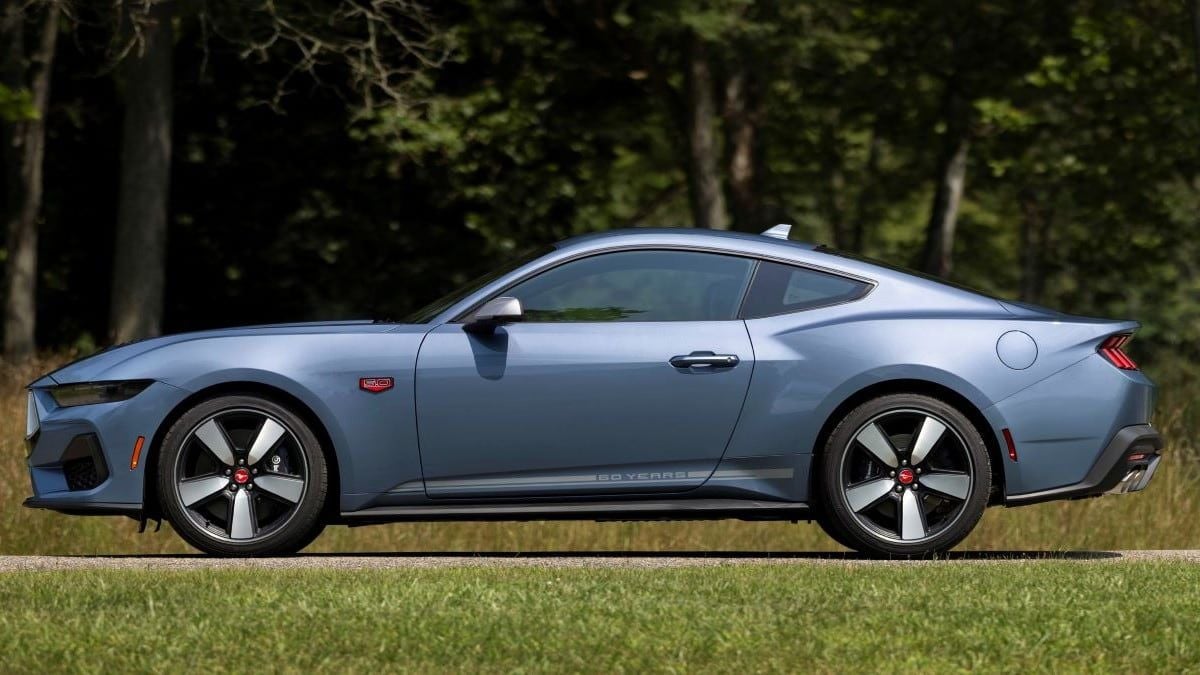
(903, 475)
(243, 476)
(830, 526)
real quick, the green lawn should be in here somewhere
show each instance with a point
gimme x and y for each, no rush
(996, 616)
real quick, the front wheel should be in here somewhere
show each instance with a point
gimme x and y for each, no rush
(904, 475)
(243, 476)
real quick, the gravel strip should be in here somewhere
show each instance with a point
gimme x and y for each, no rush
(552, 560)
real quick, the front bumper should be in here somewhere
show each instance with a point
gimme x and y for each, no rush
(84, 508)
(79, 457)
(1127, 464)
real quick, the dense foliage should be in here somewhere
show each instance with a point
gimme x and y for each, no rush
(1077, 121)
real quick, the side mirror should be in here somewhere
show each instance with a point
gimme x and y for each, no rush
(495, 312)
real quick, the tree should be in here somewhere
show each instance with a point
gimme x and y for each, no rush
(1196, 39)
(26, 82)
(376, 46)
(801, 96)
(950, 176)
(141, 236)
(707, 197)
(742, 117)
(968, 52)
(290, 187)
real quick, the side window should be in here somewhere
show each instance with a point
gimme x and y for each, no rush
(638, 286)
(780, 289)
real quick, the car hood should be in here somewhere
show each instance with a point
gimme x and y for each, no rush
(92, 367)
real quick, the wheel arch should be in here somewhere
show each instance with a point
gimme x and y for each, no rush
(151, 505)
(924, 387)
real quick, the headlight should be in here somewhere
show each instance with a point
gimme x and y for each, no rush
(87, 393)
(32, 422)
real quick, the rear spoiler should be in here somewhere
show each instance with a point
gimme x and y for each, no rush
(1099, 327)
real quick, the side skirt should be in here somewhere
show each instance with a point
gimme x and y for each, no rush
(682, 509)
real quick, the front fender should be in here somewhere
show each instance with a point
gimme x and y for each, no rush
(264, 378)
(373, 434)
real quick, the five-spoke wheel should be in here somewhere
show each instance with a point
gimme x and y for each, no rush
(243, 475)
(903, 475)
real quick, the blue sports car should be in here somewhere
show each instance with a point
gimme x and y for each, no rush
(632, 375)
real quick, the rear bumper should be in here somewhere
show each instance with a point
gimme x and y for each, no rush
(1127, 464)
(1063, 424)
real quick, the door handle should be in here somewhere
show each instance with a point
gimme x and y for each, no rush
(705, 359)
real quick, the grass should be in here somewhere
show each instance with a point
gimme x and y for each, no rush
(1167, 515)
(1048, 616)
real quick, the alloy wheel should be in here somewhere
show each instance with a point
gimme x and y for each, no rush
(906, 476)
(240, 475)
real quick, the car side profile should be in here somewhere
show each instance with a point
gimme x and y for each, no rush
(628, 375)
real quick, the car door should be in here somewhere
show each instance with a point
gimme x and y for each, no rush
(627, 373)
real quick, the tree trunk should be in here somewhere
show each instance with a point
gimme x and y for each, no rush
(832, 194)
(867, 206)
(951, 177)
(1196, 38)
(23, 152)
(1034, 239)
(742, 113)
(141, 242)
(708, 202)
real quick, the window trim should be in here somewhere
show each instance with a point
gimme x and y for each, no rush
(870, 284)
(867, 286)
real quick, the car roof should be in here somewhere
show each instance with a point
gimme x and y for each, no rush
(768, 246)
(907, 286)
(714, 237)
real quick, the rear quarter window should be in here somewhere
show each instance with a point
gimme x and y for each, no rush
(782, 289)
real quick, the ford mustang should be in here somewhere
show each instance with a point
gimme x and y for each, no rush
(629, 375)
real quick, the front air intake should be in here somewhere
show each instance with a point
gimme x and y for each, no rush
(83, 464)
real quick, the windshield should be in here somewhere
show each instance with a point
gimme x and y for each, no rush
(428, 312)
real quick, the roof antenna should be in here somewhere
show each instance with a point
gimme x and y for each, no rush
(780, 231)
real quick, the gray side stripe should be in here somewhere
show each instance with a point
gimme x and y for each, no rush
(608, 479)
(743, 474)
(411, 486)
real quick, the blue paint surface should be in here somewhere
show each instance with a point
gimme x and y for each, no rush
(571, 409)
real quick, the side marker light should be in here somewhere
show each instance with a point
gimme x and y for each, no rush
(137, 453)
(1012, 446)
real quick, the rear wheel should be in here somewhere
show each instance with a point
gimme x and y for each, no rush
(243, 475)
(903, 475)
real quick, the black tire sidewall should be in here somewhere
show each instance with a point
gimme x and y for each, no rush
(304, 525)
(835, 509)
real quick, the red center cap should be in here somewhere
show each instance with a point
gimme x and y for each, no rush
(905, 476)
(241, 476)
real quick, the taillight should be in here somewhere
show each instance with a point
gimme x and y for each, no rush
(1111, 350)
